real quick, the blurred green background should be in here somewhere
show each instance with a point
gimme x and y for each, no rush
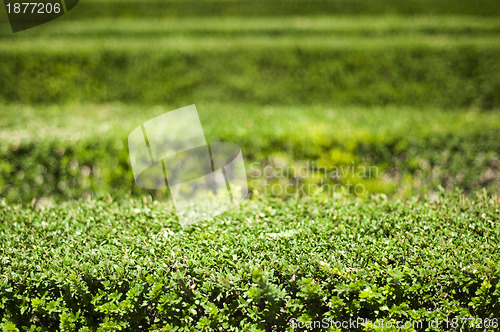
(411, 88)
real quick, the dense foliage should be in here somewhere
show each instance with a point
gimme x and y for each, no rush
(412, 157)
(129, 265)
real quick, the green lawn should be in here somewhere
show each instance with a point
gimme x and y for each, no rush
(295, 26)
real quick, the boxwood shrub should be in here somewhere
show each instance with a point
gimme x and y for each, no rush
(104, 265)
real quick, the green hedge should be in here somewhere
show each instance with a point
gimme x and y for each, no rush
(461, 76)
(406, 165)
(110, 266)
(247, 8)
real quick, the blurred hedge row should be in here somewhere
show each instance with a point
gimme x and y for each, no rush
(104, 265)
(284, 8)
(405, 165)
(444, 77)
(464, 76)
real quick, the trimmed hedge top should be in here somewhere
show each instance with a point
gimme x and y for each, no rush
(111, 265)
